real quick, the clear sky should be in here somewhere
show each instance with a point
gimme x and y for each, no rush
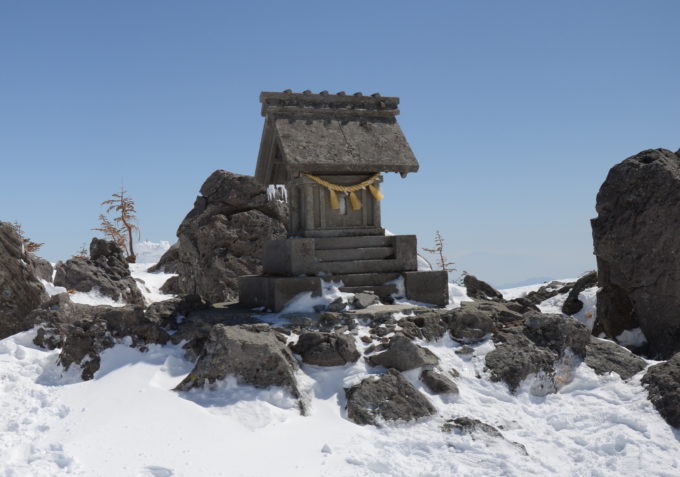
(516, 110)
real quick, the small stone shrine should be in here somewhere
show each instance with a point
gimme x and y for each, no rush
(330, 150)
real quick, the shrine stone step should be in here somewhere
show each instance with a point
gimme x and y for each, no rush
(331, 243)
(381, 291)
(363, 253)
(362, 279)
(359, 266)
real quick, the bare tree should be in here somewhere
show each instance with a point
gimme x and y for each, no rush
(124, 222)
(29, 245)
(438, 250)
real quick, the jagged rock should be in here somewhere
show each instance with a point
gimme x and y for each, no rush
(635, 236)
(326, 349)
(516, 357)
(546, 292)
(251, 353)
(20, 290)
(607, 357)
(521, 305)
(429, 326)
(364, 300)
(42, 268)
(222, 237)
(480, 290)
(167, 313)
(83, 332)
(663, 387)
(337, 305)
(557, 333)
(473, 321)
(402, 354)
(106, 270)
(437, 383)
(390, 397)
(171, 286)
(169, 262)
(572, 304)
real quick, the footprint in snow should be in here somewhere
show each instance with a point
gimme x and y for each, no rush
(156, 471)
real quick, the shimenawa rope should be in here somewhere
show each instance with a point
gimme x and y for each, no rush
(353, 199)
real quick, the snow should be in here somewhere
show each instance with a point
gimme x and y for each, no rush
(150, 252)
(129, 421)
(634, 338)
(150, 283)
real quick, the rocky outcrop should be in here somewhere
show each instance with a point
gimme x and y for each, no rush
(20, 290)
(428, 326)
(106, 271)
(389, 397)
(253, 354)
(536, 347)
(223, 235)
(572, 304)
(403, 354)
(83, 332)
(473, 321)
(663, 387)
(607, 357)
(42, 268)
(169, 262)
(480, 290)
(635, 236)
(326, 349)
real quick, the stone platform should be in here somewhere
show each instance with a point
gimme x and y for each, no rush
(379, 264)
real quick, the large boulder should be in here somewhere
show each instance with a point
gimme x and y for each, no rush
(20, 290)
(106, 271)
(638, 251)
(253, 354)
(663, 386)
(83, 331)
(389, 397)
(326, 349)
(42, 268)
(223, 236)
(403, 354)
(607, 357)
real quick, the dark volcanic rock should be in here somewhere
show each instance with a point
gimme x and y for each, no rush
(390, 397)
(467, 425)
(480, 290)
(364, 300)
(607, 357)
(105, 270)
(557, 333)
(437, 383)
(515, 357)
(169, 313)
(326, 349)
(638, 252)
(20, 290)
(473, 321)
(169, 262)
(41, 268)
(663, 386)
(223, 235)
(572, 304)
(402, 354)
(251, 353)
(83, 332)
(429, 326)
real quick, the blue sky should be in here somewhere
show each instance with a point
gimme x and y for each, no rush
(515, 110)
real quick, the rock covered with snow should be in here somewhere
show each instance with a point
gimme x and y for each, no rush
(438, 383)
(106, 271)
(663, 385)
(635, 236)
(388, 397)
(222, 237)
(253, 354)
(326, 349)
(20, 290)
(83, 331)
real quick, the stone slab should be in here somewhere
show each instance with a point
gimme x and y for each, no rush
(427, 287)
(274, 293)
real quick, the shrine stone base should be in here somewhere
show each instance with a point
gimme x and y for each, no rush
(384, 265)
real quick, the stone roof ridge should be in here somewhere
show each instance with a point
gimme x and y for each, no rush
(288, 103)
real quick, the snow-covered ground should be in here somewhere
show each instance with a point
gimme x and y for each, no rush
(127, 421)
